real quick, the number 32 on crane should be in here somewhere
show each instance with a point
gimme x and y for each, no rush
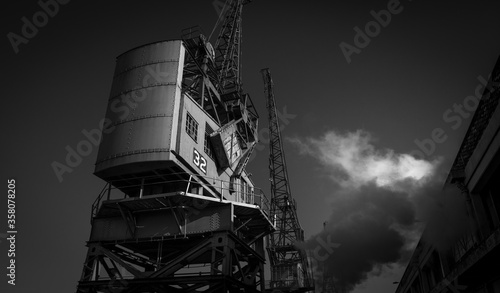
(199, 161)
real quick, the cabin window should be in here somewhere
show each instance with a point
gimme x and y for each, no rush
(192, 127)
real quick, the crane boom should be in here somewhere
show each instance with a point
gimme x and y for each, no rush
(213, 79)
(289, 266)
(228, 48)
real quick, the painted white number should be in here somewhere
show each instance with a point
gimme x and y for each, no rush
(203, 165)
(196, 159)
(200, 161)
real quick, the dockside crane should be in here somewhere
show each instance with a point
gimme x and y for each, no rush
(289, 266)
(186, 217)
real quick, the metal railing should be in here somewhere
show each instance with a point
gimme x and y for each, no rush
(191, 183)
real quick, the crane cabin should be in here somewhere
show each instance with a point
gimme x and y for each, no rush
(166, 118)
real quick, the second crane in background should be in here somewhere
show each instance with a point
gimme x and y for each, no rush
(289, 267)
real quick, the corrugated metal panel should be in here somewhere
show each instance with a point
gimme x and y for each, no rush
(179, 220)
(142, 108)
(107, 229)
(166, 50)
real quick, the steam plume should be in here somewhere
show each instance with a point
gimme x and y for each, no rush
(381, 201)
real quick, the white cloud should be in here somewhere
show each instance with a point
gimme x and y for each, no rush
(355, 157)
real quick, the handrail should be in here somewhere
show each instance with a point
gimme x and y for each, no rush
(235, 192)
(97, 201)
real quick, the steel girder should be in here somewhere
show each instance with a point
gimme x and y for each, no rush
(214, 262)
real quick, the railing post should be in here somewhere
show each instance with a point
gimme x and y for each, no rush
(142, 188)
(185, 226)
(189, 183)
(109, 191)
(221, 191)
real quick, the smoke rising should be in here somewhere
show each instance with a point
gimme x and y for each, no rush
(382, 201)
(354, 161)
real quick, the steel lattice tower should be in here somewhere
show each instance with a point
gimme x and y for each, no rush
(289, 266)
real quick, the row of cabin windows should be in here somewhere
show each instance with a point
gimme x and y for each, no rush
(192, 131)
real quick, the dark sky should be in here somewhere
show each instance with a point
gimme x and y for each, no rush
(425, 60)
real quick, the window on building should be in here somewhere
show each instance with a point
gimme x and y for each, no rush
(494, 193)
(191, 127)
(207, 147)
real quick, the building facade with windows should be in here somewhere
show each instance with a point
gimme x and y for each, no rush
(472, 264)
